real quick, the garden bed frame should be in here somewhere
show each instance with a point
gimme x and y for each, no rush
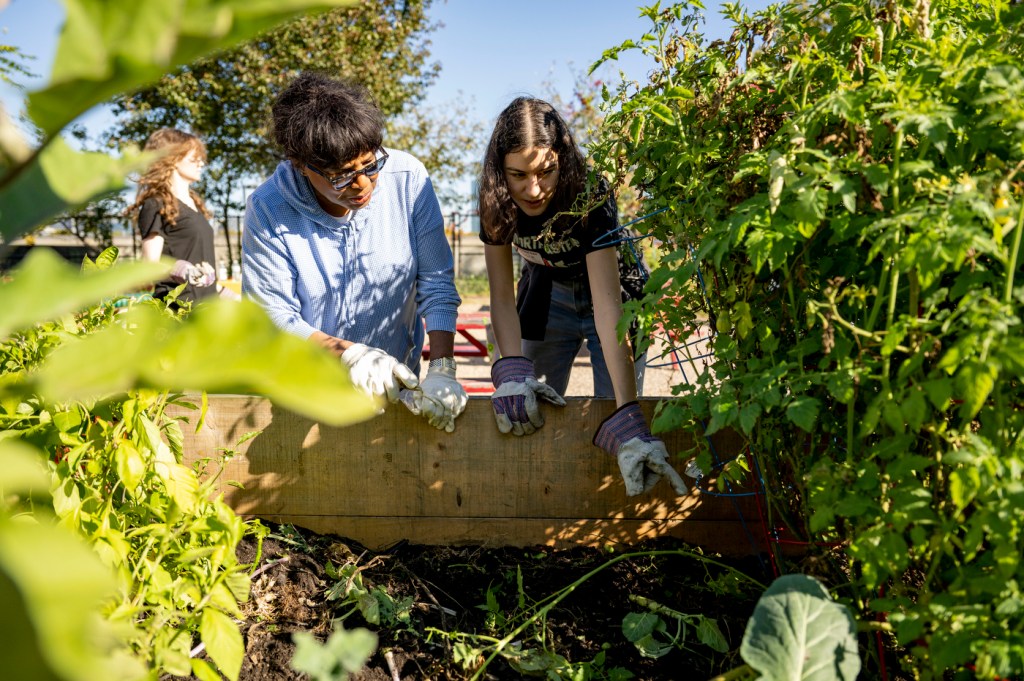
(395, 478)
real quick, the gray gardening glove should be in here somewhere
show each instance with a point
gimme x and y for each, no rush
(377, 373)
(202, 274)
(643, 459)
(515, 396)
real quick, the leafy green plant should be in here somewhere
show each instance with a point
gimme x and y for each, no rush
(111, 452)
(649, 632)
(53, 579)
(845, 176)
(527, 622)
(373, 603)
(115, 462)
(343, 653)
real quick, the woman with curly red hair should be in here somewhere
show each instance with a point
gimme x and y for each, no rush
(172, 218)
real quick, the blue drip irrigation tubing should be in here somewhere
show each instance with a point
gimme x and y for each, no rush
(608, 239)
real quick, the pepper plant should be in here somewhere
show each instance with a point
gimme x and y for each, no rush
(846, 177)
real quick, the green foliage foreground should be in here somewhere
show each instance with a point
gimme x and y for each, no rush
(113, 558)
(848, 177)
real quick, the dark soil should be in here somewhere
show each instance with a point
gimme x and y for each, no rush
(487, 592)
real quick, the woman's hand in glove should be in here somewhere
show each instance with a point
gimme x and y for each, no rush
(440, 399)
(515, 396)
(377, 373)
(200, 275)
(643, 459)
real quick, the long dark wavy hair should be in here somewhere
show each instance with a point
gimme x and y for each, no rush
(156, 182)
(527, 122)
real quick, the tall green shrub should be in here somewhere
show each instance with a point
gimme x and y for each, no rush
(848, 175)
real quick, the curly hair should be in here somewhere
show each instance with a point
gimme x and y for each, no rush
(527, 122)
(156, 182)
(325, 121)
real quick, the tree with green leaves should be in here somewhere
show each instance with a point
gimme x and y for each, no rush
(225, 98)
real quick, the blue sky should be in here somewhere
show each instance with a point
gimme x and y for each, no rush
(490, 50)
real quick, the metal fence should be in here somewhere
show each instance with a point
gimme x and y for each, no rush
(461, 229)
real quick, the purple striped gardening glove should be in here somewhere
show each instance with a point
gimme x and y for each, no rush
(515, 396)
(642, 457)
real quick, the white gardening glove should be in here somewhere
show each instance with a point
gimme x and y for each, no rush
(377, 373)
(201, 275)
(642, 458)
(440, 398)
(515, 396)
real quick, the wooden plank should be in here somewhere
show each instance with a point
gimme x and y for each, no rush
(394, 477)
(726, 537)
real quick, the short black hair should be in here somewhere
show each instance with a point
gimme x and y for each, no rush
(326, 122)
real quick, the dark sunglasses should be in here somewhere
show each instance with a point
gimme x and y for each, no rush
(339, 182)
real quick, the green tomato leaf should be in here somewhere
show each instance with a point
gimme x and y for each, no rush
(107, 48)
(809, 207)
(660, 111)
(798, 632)
(914, 408)
(893, 416)
(223, 641)
(44, 287)
(974, 383)
(677, 92)
(748, 416)
(939, 392)
(803, 411)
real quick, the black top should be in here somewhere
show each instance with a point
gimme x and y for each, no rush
(190, 238)
(563, 251)
(559, 256)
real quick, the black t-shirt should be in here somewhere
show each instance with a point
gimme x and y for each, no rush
(190, 238)
(564, 250)
(560, 255)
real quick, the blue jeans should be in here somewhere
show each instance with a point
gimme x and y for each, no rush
(570, 323)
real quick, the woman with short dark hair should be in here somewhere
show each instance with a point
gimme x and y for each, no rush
(366, 280)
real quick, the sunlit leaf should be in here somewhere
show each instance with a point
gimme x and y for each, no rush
(803, 411)
(975, 381)
(223, 347)
(223, 641)
(51, 589)
(57, 179)
(798, 632)
(108, 48)
(45, 287)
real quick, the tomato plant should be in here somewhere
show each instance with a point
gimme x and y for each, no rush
(846, 177)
